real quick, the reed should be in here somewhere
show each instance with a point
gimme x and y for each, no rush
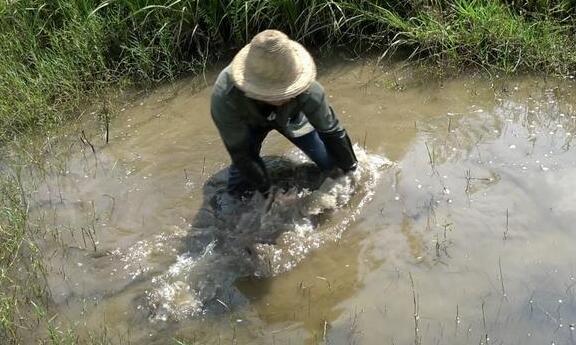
(57, 54)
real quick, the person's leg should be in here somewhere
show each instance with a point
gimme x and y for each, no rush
(314, 148)
(236, 182)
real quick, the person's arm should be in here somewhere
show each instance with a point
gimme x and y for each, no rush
(334, 136)
(235, 135)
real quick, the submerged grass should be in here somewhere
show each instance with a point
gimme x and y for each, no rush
(55, 54)
(21, 283)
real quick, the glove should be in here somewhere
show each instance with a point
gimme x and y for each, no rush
(340, 148)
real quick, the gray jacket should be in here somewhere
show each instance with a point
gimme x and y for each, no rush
(234, 114)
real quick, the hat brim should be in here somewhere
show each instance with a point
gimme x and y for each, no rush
(274, 92)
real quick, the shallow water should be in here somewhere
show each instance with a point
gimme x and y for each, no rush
(465, 236)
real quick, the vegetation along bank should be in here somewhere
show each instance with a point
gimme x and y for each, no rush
(56, 53)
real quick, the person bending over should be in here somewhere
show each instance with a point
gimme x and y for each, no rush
(271, 84)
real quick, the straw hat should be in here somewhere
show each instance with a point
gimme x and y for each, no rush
(272, 67)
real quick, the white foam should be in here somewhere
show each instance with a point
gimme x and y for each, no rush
(182, 290)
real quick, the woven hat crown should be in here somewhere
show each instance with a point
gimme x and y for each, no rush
(273, 67)
(271, 58)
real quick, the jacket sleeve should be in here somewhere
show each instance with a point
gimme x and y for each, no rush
(235, 135)
(318, 111)
(324, 120)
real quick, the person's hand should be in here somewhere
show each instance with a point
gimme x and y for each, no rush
(263, 187)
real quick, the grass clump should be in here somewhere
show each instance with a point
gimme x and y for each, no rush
(21, 283)
(57, 52)
(490, 34)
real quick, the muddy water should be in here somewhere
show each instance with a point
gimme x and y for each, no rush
(458, 229)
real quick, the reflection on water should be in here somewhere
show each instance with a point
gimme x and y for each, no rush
(467, 238)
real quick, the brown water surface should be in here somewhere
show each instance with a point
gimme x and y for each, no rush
(467, 239)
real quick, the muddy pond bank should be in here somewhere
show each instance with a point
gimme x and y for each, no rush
(462, 233)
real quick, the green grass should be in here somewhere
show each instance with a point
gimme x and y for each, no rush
(57, 56)
(492, 35)
(56, 53)
(21, 284)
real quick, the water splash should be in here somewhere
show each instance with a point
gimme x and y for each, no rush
(262, 237)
